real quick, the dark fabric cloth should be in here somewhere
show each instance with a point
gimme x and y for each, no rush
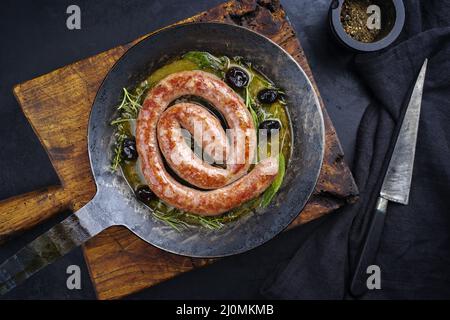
(414, 254)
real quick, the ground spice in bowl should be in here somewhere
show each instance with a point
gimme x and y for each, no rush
(354, 17)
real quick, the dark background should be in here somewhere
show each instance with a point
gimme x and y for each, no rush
(35, 40)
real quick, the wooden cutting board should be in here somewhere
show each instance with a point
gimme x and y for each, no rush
(58, 104)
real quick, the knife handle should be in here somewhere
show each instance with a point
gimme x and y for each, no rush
(48, 247)
(370, 249)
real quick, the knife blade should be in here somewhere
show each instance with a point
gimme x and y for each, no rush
(396, 184)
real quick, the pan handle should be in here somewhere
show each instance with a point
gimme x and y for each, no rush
(47, 248)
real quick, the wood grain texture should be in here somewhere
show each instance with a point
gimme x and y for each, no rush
(58, 105)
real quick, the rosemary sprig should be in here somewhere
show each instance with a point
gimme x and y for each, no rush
(212, 223)
(117, 160)
(128, 110)
(130, 105)
(172, 219)
(120, 120)
(180, 220)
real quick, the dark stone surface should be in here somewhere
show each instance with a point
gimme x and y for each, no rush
(35, 40)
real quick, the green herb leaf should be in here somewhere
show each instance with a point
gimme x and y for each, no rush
(255, 117)
(249, 104)
(206, 60)
(276, 184)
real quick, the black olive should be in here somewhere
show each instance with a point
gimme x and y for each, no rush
(129, 151)
(267, 96)
(237, 78)
(144, 193)
(270, 125)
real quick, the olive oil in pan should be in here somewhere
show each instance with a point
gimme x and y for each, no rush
(131, 170)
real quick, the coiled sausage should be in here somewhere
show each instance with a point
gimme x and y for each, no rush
(158, 134)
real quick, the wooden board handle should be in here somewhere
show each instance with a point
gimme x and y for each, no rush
(25, 211)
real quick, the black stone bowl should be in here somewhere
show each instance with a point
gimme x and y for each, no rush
(389, 33)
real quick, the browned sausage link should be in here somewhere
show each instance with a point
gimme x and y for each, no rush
(233, 185)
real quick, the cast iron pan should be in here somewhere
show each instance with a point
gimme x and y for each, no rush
(115, 202)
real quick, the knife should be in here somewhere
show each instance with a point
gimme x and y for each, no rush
(396, 184)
